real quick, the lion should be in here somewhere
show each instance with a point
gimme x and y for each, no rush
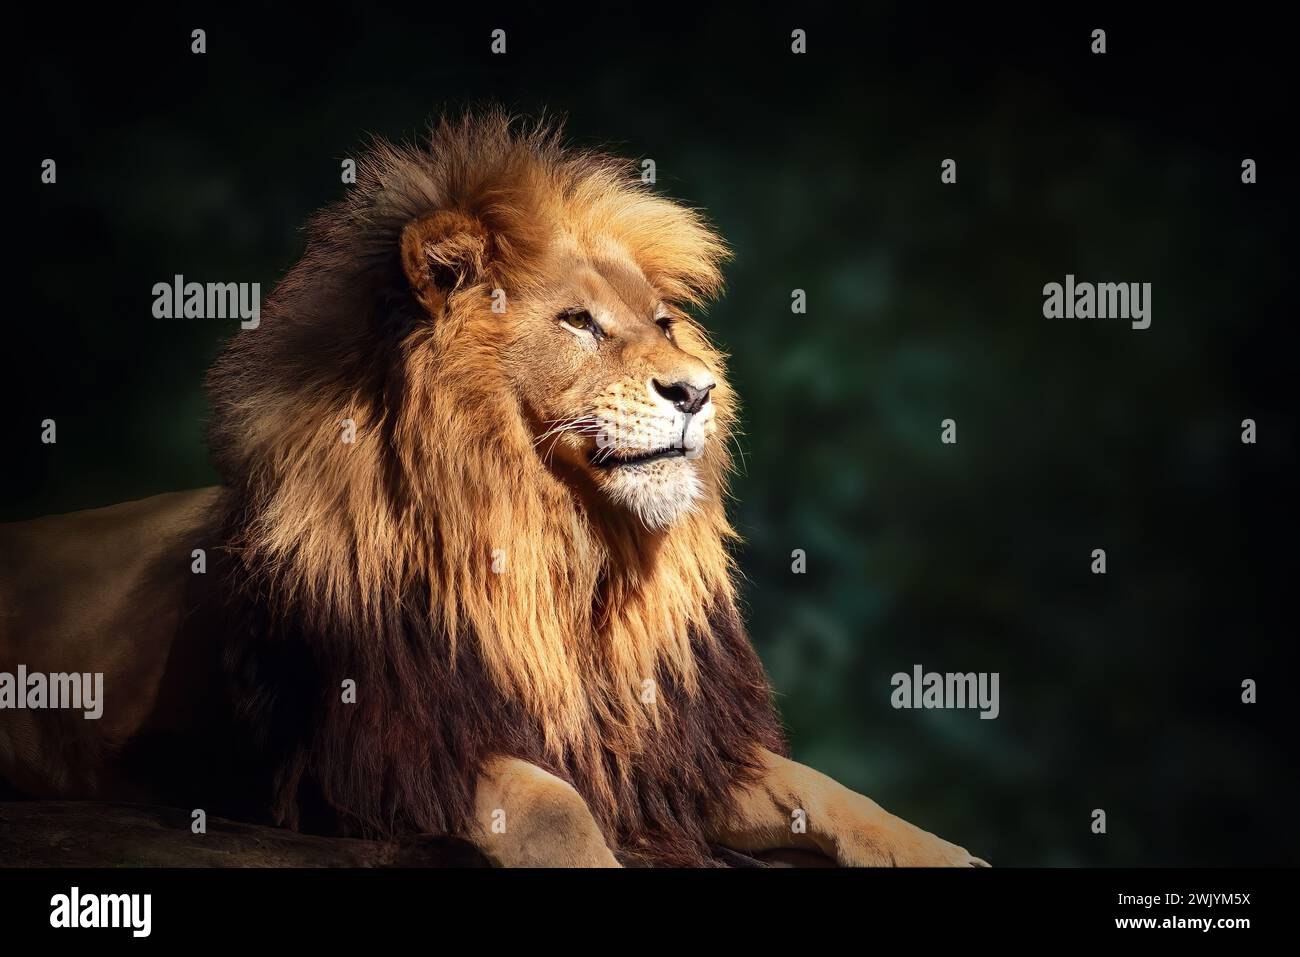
(468, 571)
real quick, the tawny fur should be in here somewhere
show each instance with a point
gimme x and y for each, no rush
(369, 546)
(533, 639)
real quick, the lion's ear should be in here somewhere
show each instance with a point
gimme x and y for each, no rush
(440, 253)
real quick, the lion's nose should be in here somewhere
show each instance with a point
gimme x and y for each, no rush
(684, 396)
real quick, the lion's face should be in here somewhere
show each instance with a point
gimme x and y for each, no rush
(571, 280)
(618, 384)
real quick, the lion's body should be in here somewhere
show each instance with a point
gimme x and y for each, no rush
(470, 546)
(114, 590)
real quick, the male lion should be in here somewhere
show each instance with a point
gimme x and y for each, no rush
(468, 567)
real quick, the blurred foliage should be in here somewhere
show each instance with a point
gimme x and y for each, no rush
(1119, 692)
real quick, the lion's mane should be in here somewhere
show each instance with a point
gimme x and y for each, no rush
(480, 608)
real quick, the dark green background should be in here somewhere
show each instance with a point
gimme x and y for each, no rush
(1118, 692)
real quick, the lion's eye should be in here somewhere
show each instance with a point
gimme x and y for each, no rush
(581, 321)
(666, 324)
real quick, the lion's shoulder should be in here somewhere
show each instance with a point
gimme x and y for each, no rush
(109, 540)
(101, 592)
(85, 579)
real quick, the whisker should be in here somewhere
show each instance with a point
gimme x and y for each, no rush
(740, 450)
(564, 425)
(582, 424)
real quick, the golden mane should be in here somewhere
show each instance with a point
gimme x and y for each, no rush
(440, 518)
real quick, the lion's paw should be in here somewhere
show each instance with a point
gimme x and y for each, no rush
(552, 828)
(896, 843)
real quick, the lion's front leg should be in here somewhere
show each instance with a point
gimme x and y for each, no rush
(527, 817)
(793, 806)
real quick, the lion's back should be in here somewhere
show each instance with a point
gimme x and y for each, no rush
(96, 591)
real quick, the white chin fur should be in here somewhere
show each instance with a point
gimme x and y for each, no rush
(659, 493)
